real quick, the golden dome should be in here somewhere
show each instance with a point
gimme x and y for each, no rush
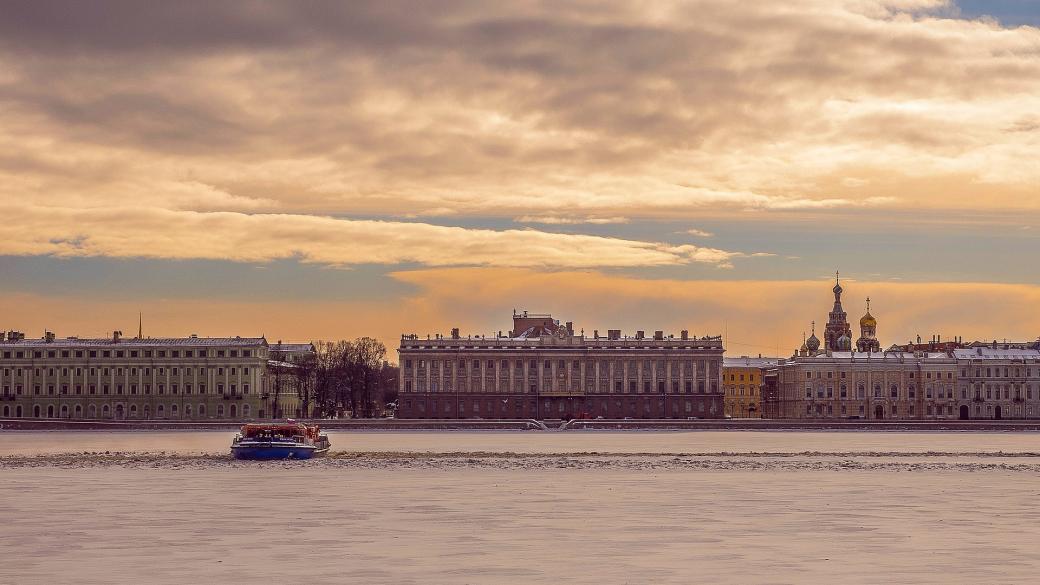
(868, 320)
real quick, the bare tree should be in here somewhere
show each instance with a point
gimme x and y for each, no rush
(348, 377)
(305, 375)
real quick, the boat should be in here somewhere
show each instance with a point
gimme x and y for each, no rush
(288, 440)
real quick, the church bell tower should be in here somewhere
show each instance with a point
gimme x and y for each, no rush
(838, 334)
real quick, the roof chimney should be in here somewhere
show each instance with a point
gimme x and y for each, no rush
(48, 336)
(684, 334)
(658, 335)
(640, 334)
(454, 332)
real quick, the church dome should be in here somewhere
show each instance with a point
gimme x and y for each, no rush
(813, 343)
(844, 343)
(868, 320)
(837, 289)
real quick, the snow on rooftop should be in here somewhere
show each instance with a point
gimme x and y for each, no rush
(995, 353)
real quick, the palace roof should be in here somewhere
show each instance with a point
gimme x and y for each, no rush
(69, 342)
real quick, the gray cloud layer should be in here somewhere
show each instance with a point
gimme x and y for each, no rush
(563, 110)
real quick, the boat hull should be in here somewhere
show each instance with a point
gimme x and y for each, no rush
(269, 451)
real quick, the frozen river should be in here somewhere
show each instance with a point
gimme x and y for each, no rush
(44, 442)
(451, 508)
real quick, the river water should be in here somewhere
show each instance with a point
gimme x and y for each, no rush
(968, 515)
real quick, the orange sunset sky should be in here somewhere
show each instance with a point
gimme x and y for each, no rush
(331, 170)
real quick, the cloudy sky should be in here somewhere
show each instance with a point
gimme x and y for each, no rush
(325, 170)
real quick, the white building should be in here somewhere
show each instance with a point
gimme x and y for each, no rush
(193, 378)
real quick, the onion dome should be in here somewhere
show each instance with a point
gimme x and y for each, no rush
(813, 343)
(868, 320)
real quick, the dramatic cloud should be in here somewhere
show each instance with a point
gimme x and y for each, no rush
(135, 232)
(564, 109)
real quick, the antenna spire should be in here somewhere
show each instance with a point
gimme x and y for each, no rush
(868, 304)
(140, 325)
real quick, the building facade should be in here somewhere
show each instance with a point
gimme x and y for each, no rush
(917, 381)
(998, 381)
(889, 385)
(844, 380)
(743, 380)
(190, 378)
(543, 370)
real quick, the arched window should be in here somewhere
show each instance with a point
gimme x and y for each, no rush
(79, 411)
(202, 410)
(147, 411)
(173, 411)
(234, 411)
(220, 411)
(245, 410)
(50, 411)
(160, 411)
(18, 411)
(104, 411)
(91, 411)
(7, 411)
(133, 411)
(187, 410)
(894, 391)
(64, 411)
(36, 411)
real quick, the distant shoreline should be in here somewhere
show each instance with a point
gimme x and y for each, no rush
(544, 426)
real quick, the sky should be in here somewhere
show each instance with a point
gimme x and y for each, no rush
(329, 170)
